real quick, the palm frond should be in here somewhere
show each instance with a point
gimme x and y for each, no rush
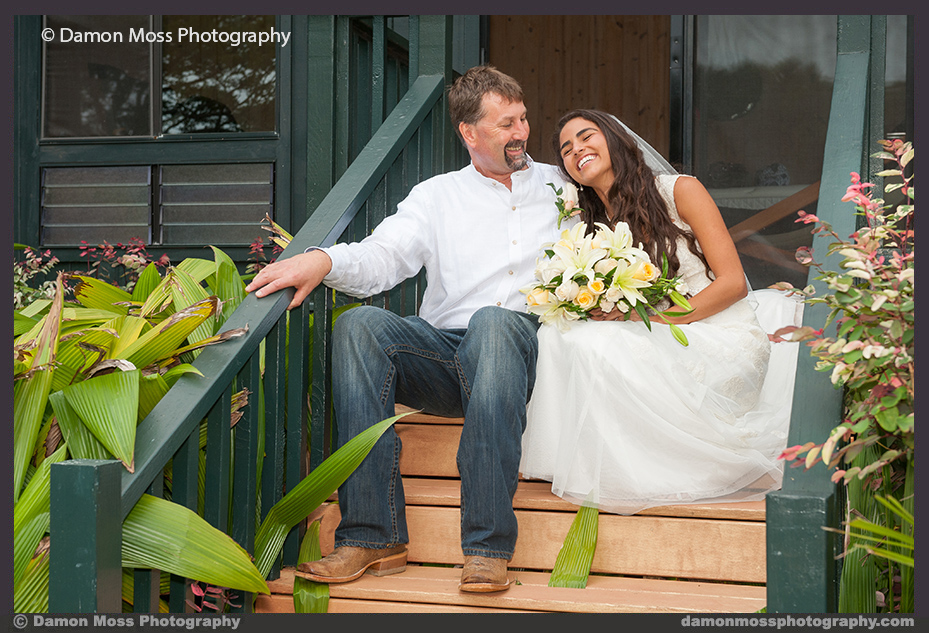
(158, 534)
(572, 566)
(310, 493)
(309, 596)
(108, 405)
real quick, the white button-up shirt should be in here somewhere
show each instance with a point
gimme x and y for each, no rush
(478, 241)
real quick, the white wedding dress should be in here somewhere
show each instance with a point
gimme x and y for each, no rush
(623, 418)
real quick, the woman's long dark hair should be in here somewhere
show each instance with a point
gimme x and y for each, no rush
(633, 195)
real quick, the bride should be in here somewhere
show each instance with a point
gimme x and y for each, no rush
(622, 418)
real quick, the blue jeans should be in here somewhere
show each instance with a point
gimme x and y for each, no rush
(483, 373)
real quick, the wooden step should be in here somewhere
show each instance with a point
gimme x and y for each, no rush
(435, 590)
(537, 495)
(706, 557)
(704, 549)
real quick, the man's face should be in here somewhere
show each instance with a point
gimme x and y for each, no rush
(497, 142)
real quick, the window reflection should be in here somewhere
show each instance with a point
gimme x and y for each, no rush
(216, 86)
(763, 90)
(96, 88)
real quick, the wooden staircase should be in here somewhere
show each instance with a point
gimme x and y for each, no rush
(680, 559)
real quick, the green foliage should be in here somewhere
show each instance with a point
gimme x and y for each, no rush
(309, 596)
(28, 276)
(871, 303)
(871, 358)
(85, 373)
(572, 566)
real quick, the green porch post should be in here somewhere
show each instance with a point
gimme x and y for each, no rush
(85, 555)
(435, 58)
(802, 565)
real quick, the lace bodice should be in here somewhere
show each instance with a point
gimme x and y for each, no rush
(692, 270)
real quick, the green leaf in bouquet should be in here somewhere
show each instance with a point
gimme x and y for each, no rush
(679, 335)
(572, 566)
(642, 311)
(680, 300)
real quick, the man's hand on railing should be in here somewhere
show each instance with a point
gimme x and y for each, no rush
(303, 272)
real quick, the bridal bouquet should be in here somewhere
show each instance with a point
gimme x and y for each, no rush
(582, 272)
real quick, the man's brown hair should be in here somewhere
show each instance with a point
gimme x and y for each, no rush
(465, 97)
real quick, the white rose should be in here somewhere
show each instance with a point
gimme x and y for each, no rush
(570, 195)
(538, 296)
(585, 298)
(567, 290)
(605, 265)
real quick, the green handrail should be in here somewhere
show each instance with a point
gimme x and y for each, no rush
(172, 425)
(802, 569)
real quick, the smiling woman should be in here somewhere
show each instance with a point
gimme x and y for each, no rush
(624, 417)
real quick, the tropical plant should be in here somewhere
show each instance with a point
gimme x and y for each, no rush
(85, 373)
(871, 357)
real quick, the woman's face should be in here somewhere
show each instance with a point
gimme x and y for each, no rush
(585, 154)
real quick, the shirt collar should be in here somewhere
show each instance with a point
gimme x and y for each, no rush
(522, 173)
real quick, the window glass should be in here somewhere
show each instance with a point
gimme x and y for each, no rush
(94, 204)
(97, 82)
(762, 94)
(215, 204)
(217, 86)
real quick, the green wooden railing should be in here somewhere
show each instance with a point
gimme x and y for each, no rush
(802, 564)
(91, 498)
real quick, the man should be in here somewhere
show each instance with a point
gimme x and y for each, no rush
(470, 353)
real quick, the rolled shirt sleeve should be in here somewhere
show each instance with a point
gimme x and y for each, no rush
(477, 240)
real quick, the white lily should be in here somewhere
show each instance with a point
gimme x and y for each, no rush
(618, 242)
(626, 284)
(580, 257)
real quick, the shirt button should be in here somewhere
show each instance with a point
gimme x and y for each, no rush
(511, 272)
(498, 303)
(514, 208)
(514, 241)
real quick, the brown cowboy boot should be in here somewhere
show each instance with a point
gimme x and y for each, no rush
(483, 575)
(347, 563)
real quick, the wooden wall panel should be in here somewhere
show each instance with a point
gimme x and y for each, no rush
(616, 63)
